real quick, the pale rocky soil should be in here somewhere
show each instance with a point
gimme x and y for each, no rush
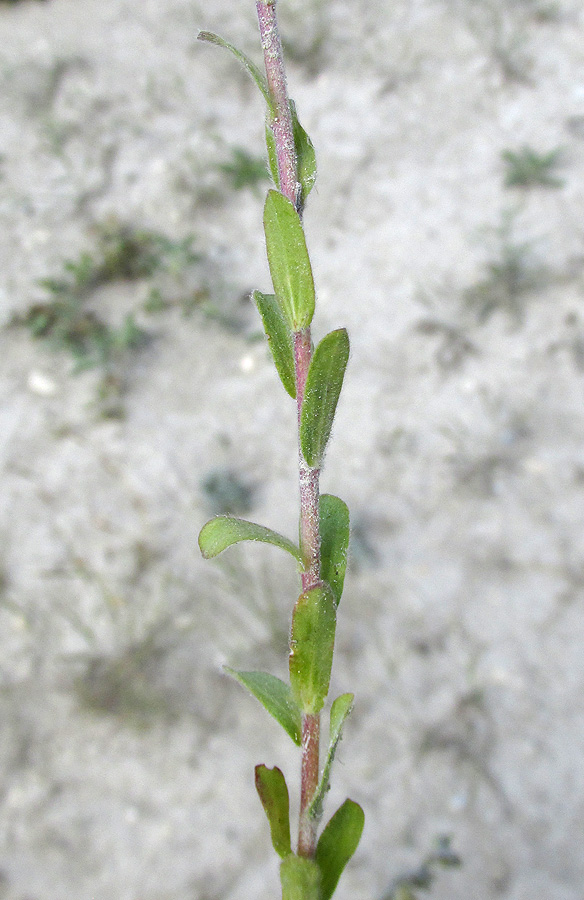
(126, 756)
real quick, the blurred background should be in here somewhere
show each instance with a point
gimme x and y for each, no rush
(137, 399)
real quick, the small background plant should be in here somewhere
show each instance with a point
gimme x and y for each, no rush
(529, 168)
(511, 277)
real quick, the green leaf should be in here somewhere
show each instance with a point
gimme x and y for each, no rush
(340, 710)
(275, 696)
(246, 62)
(334, 542)
(300, 879)
(288, 260)
(305, 155)
(312, 641)
(337, 844)
(279, 338)
(271, 786)
(321, 395)
(223, 531)
(272, 154)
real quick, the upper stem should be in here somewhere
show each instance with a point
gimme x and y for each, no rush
(281, 124)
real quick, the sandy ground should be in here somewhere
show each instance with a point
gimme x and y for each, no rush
(126, 757)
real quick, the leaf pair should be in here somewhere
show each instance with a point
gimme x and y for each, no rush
(291, 309)
(304, 879)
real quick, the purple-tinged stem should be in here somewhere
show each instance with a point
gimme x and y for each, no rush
(282, 121)
(281, 125)
(308, 476)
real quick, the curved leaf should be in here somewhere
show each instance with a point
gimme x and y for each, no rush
(312, 640)
(334, 542)
(223, 531)
(321, 395)
(279, 338)
(273, 791)
(275, 696)
(337, 844)
(246, 62)
(288, 260)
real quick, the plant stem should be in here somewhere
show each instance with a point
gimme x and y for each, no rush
(282, 121)
(308, 476)
(307, 830)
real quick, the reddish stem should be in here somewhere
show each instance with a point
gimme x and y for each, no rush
(307, 831)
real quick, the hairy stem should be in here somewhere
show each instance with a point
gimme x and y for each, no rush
(281, 125)
(308, 476)
(282, 121)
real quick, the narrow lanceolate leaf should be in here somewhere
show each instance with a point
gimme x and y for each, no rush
(300, 879)
(271, 786)
(288, 260)
(334, 542)
(223, 531)
(339, 712)
(337, 844)
(312, 639)
(272, 154)
(275, 696)
(279, 338)
(246, 62)
(305, 155)
(323, 387)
